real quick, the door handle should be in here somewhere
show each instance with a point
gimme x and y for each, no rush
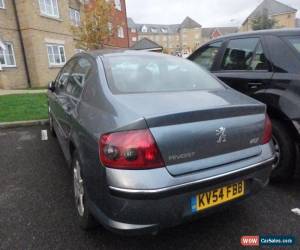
(255, 85)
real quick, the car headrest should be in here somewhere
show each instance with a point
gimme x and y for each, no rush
(237, 55)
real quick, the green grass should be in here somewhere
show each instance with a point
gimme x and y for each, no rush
(24, 107)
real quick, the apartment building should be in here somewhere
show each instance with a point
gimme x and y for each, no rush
(284, 15)
(36, 38)
(181, 38)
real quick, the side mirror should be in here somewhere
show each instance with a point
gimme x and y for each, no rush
(51, 86)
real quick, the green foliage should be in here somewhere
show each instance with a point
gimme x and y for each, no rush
(263, 22)
(94, 30)
(24, 107)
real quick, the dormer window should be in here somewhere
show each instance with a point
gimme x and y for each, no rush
(144, 29)
(153, 30)
(164, 30)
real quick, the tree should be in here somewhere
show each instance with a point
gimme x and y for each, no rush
(95, 29)
(263, 22)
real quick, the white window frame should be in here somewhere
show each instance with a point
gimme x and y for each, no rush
(118, 5)
(53, 63)
(74, 16)
(2, 4)
(134, 39)
(133, 30)
(121, 32)
(53, 8)
(5, 53)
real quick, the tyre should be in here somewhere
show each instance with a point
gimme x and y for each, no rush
(85, 218)
(51, 128)
(285, 151)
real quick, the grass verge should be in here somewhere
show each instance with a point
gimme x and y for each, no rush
(23, 107)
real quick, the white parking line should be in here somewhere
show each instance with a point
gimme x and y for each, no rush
(296, 211)
(44, 135)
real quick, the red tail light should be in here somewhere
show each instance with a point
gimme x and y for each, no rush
(130, 150)
(267, 131)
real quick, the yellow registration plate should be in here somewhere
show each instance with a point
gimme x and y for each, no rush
(217, 196)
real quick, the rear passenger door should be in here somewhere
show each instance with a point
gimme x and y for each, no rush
(76, 83)
(244, 65)
(59, 100)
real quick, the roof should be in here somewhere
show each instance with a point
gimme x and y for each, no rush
(113, 52)
(131, 23)
(146, 44)
(276, 32)
(189, 23)
(273, 7)
(207, 32)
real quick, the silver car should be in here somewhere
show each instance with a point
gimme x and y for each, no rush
(154, 140)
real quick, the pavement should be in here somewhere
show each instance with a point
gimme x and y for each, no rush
(37, 209)
(21, 91)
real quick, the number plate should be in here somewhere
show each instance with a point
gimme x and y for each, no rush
(217, 196)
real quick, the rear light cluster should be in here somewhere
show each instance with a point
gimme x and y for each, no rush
(130, 150)
(267, 136)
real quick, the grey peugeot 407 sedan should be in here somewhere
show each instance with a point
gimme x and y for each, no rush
(154, 140)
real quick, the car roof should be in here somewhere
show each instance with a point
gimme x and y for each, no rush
(276, 32)
(125, 51)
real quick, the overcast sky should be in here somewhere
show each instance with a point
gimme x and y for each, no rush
(208, 13)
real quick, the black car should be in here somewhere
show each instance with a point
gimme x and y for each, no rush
(266, 66)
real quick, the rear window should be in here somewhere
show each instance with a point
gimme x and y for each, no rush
(156, 73)
(295, 41)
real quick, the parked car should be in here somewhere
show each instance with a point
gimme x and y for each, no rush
(264, 65)
(154, 140)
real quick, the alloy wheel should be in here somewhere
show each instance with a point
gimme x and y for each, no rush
(277, 153)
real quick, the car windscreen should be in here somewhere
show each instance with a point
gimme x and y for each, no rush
(156, 73)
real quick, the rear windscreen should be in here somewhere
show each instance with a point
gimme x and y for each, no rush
(156, 73)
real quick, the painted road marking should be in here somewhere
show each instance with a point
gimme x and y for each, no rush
(296, 211)
(44, 135)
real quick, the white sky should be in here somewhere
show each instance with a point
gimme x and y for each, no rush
(208, 13)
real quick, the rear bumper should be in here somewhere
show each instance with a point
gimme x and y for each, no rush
(130, 211)
(185, 187)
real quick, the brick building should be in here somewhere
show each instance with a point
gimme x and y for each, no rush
(181, 38)
(36, 38)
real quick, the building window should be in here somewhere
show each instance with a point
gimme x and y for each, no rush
(7, 56)
(144, 29)
(120, 32)
(164, 30)
(2, 5)
(134, 39)
(133, 30)
(74, 17)
(56, 54)
(49, 8)
(118, 5)
(110, 27)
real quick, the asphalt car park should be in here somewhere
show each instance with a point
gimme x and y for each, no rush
(37, 208)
